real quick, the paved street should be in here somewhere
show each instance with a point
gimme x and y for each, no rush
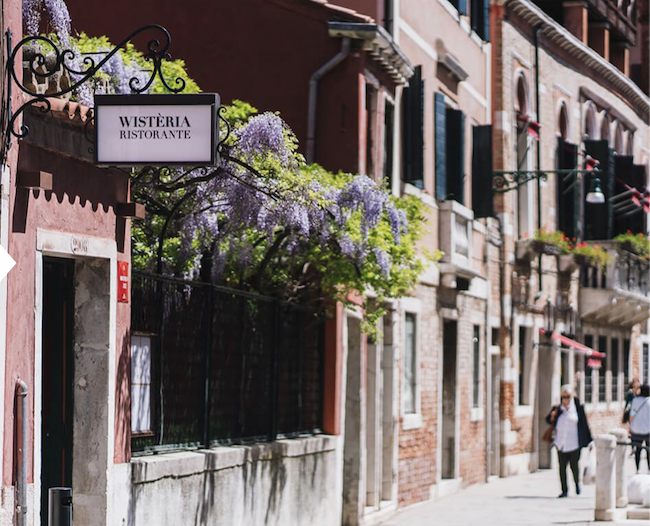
(527, 500)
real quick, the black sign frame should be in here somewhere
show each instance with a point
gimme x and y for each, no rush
(177, 99)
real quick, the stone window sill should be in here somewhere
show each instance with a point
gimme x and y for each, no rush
(523, 411)
(411, 421)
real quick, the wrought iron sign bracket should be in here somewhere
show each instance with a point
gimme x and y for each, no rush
(43, 58)
(504, 181)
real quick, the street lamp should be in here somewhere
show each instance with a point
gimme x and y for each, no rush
(595, 195)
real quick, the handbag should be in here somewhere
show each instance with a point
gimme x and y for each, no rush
(548, 434)
(626, 416)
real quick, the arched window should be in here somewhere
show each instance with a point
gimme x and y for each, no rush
(629, 146)
(523, 150)
(563, 122)
(604, 129)
(618, 140)
(521, 103)
(590, 121)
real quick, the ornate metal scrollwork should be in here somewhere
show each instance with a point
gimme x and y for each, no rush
(45, 59)
(504, 181)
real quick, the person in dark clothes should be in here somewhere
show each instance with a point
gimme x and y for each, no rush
(571, 435)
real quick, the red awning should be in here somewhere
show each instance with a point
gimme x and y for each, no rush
(578, 347)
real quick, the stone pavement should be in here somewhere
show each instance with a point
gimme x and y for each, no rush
(525, 500)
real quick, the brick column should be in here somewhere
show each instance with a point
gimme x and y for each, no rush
(576, 19)
(620, 56)
(599, 38)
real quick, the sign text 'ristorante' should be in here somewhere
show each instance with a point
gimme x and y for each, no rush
(156, 129)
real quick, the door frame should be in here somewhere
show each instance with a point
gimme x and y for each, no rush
(65, 245)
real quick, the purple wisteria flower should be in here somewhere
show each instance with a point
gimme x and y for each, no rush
(382, 260)
(264, 133)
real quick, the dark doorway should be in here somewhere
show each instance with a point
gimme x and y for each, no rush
(57, 377)
(450, 330)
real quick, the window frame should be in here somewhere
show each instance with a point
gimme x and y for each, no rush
(526, 372)
(476, 400)
(142, 433)
(412, 306)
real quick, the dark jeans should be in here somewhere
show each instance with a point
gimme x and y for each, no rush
(571, 458)
(637, 442)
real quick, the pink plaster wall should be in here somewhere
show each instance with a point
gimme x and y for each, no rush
(81, 202)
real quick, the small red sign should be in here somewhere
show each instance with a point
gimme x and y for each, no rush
(594, 363)
(123, 281)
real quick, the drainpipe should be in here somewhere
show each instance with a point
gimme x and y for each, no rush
(313, 95)
(538, 30)
(21, 460)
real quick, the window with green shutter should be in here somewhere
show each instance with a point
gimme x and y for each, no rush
(413, 130)
(481, 18)
(455, 144)
(482, 191)
(441, 145)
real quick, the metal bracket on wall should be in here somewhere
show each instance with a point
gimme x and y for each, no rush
(43, 58)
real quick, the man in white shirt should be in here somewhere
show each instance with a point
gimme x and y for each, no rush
(640, 424)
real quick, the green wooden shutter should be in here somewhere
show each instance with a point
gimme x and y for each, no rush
(482, 191)
(455, 121)
(441, 145)
(413, 130)
(481, 18)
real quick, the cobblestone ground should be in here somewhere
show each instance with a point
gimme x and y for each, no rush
(526, 500)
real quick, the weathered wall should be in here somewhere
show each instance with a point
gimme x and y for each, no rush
(289, 482)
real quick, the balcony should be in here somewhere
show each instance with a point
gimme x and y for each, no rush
(617, 294)
(456, 241)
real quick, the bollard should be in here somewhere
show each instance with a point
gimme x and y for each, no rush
(60, 507)
(621, 478)
(606, 480)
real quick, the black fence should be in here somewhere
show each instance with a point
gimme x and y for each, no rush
(227, 366)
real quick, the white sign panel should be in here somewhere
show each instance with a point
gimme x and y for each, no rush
(156, 129)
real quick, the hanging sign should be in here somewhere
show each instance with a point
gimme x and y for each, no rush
(594, 363)
(123, 281)
(156, 130)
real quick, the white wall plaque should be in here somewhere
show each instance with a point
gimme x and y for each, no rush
(156, 129)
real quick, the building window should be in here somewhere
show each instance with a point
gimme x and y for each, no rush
(476, 369)
(523, 367)
(449, 151)
(523, 158)
(413, 130)
(481, 18)
(388, 15)
(602, 383)
(613, 367)
(645, 364)
(409, 390)
(140, 384)
(389, 125)
(461, 5)
(588, 373)
(371, 129)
